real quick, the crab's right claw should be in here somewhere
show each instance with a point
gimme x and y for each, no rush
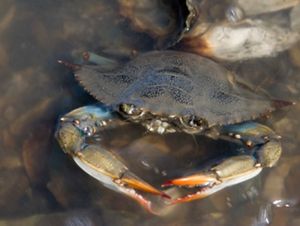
(131, 180)
(112, 173)
(97, 161)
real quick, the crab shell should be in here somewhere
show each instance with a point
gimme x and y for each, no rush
(176, 83)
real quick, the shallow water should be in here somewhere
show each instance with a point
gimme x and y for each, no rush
(40, 185)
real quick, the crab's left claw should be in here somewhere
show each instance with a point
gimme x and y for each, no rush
(229, 172)
(192, 180)
(200, 180)
(264, 151)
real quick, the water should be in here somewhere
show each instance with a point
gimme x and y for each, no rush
(40, 185)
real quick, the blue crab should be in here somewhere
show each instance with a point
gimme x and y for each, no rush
(168, 92)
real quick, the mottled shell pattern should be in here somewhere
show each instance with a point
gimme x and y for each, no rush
(176, 83)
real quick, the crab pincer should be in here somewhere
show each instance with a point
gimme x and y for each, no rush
(112, 173)
(202, 181)
(229, 172)
(95, 160)
(264, 151)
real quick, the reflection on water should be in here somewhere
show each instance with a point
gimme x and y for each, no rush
(39, 185)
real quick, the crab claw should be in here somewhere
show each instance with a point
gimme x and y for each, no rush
(133, 181)
(196, 180)
(204, 182)
(193, 180)
(229, 172)
(73, 134)
(112, 173)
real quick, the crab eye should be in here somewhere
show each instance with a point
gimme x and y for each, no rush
(130, 109)
(76, 122)
(194, 123)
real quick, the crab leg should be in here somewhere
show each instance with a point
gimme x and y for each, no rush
(95, 160)
(261, 148)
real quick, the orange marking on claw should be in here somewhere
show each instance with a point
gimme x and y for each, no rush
(143, 186)
(188, 198)
(197, 179)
